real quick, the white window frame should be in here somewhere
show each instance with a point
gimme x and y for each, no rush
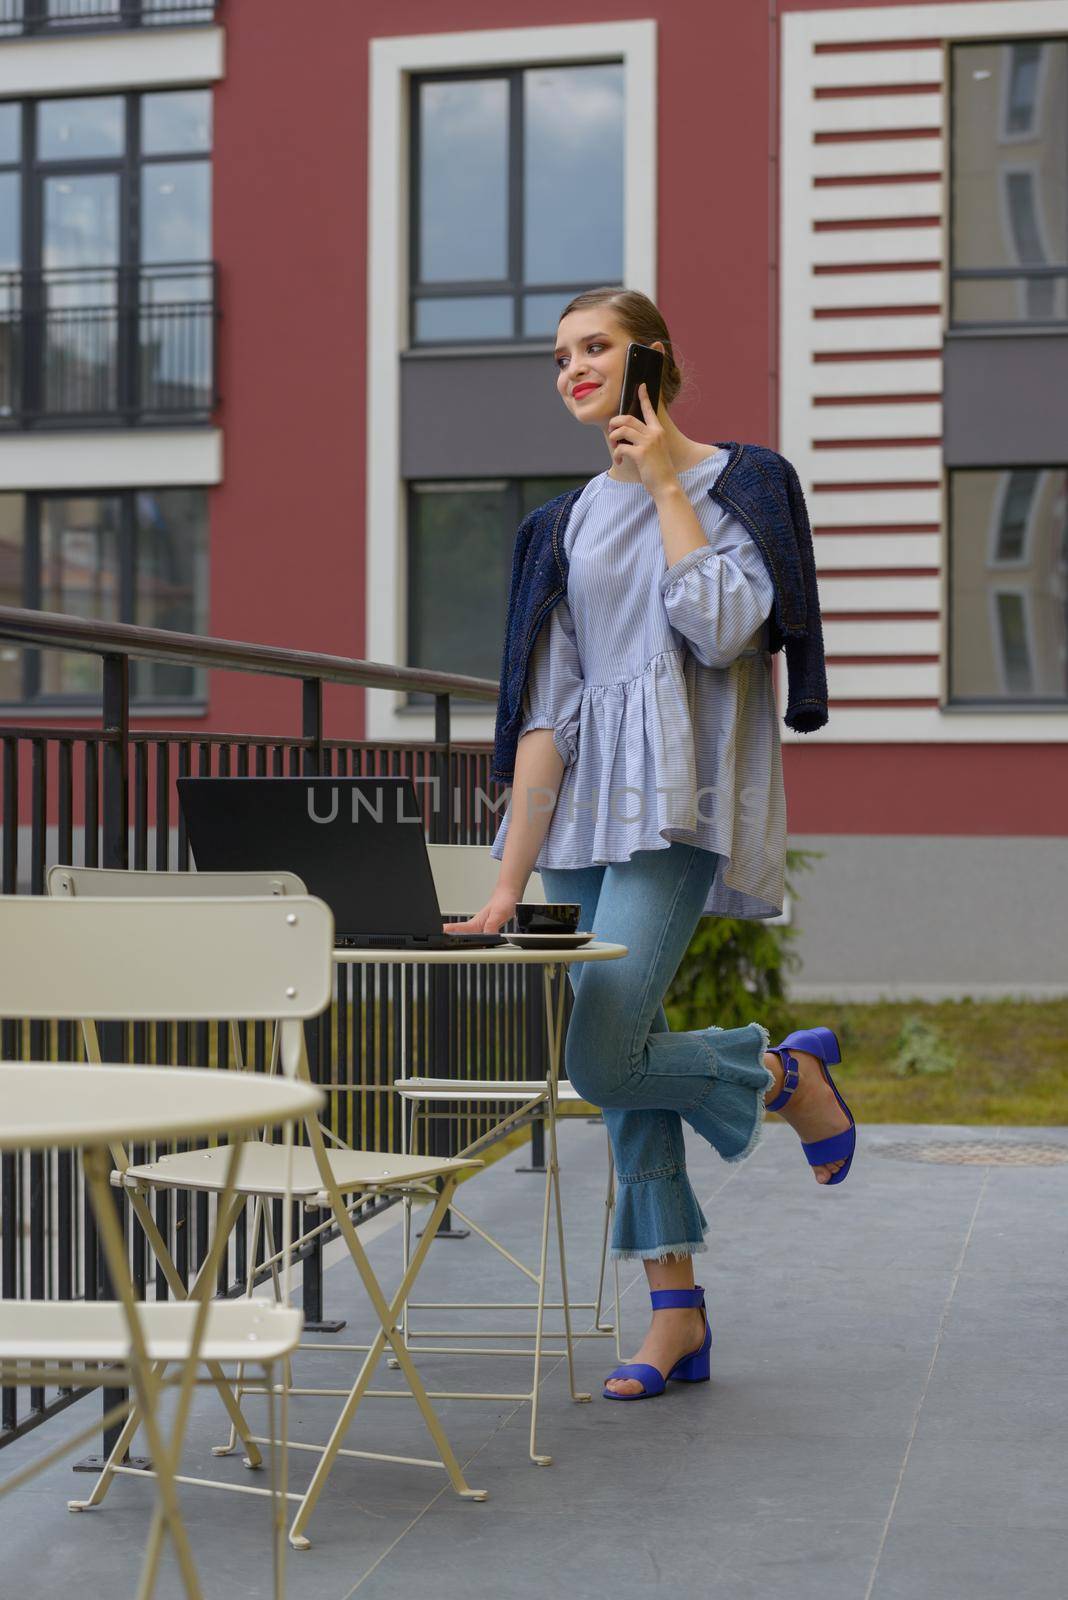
(393, 63)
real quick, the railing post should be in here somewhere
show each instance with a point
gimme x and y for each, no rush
(312, 766)
(115, 852)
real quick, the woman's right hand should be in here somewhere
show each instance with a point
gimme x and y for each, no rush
(499, 909)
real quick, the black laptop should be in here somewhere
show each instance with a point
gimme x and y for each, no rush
(357, 843)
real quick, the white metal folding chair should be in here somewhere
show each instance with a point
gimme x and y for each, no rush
(122, 961)
(464, 876)
(335, 1181)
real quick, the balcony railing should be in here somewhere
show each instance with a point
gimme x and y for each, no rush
(21, 17)
(105, 796)
(92, 345)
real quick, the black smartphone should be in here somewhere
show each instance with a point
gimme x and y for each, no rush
(644, 365)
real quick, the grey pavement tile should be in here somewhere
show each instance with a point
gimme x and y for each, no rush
(626, 1555)
(1007, 1480)
(973, 1560)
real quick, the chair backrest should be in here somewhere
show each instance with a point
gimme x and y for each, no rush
(115, 883)
(465, 875)
(262, 959)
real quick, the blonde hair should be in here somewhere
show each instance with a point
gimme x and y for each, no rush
(639, 317)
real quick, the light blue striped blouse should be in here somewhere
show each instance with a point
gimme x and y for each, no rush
(658, 687)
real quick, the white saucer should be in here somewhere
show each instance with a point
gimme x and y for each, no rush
(548, 941)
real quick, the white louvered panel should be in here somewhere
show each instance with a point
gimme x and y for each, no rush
(877, 200)
(877, 289)
(912, 421)
(911, 464)
(877, 113)
(870, 505)
(876, 333)
(884, 680)
(877, 638)
(851, 70)
(874, 377)
(852, 158)
(877, 244)
(880, 594)
(862, 550)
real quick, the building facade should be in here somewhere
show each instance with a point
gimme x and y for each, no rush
(277, 308)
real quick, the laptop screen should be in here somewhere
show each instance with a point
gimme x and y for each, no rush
(356, 843)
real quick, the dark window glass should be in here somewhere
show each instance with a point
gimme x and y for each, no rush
(171, 578)
(130, 556)
(1009, 633)
(77, 130)
(517, 198)
(80, 574)
(460, 542)
(10, 221)
(12, 540)
(1016, 508)
(1014, 641)
(176, 123)
(1024, 61)
(1009, 166)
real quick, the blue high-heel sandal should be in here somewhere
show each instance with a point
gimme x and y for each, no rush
(823, 1044)
(694, 1368)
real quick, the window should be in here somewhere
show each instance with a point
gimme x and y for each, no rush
(517, 198)
(106, 284)
(1009, 639)
(460, 541)
(131, 556)
(1009, 165)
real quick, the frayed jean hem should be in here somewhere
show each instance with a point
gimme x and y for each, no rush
(659, 1252)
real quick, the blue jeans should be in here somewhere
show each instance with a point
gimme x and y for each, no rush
(621, 1055)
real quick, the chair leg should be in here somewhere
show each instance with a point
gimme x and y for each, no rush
(539, 1324)
(250, 1277)
(554, 1163)
(386, 1313)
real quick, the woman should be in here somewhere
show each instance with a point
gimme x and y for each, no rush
(648, 788)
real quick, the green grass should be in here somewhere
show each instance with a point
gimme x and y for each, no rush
(1011, 1061)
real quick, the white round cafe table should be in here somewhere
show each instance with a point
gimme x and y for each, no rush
(45, 1103)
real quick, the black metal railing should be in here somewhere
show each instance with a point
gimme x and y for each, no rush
(20, 17)
(104, 796)
(99, 344)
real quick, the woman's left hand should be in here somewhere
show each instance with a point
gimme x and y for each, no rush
(644, 443)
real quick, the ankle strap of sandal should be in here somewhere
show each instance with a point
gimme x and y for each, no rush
(664, 1299)
(790, 1078)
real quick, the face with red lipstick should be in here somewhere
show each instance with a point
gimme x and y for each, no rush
(591, 352)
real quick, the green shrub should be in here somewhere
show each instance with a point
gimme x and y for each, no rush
(734, 971)
(921, 1050)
